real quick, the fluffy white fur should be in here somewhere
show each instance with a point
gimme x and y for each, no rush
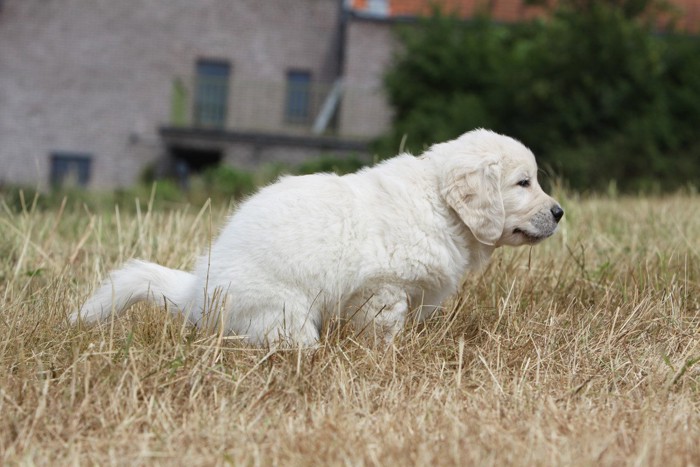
(372, 246)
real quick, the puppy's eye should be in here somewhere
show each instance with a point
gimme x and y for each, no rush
(524, 183)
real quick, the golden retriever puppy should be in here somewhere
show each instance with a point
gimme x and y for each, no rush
(373, 246)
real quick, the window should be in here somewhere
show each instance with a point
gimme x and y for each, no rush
(298, 96)
(211, 93)
(70, 169)
(378, 7)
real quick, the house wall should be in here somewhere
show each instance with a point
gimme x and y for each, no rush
(95, 76)
(368, 53)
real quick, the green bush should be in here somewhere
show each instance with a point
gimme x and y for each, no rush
(226, 181)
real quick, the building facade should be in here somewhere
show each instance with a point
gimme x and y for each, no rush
(94, 91)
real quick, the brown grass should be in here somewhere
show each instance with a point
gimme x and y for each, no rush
(583, 350)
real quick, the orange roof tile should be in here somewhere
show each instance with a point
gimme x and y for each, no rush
(688, 14)
(688, 11)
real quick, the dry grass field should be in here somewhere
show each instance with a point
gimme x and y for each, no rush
(584, 350)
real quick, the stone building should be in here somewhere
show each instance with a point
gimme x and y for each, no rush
(93, 92)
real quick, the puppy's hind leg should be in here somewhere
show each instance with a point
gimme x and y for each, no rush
(381, 313)
(288, 324)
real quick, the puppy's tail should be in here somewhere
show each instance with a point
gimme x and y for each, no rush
(135, 282)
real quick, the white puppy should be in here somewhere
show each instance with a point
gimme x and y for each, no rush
(371, 246)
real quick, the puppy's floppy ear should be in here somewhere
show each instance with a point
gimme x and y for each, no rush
(475, 194)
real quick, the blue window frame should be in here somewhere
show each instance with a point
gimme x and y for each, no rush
(211, 93)
(297, 108)
(70, 169)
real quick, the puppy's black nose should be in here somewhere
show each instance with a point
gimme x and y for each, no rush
(557, 212)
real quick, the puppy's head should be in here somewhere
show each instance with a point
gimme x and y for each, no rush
(490, 181)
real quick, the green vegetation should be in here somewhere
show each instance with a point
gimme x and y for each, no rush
(221, 184)
(580, 351)
(591, 90)
(226, 181)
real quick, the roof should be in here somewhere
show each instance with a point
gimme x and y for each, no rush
(686, 12)
(689, 14)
